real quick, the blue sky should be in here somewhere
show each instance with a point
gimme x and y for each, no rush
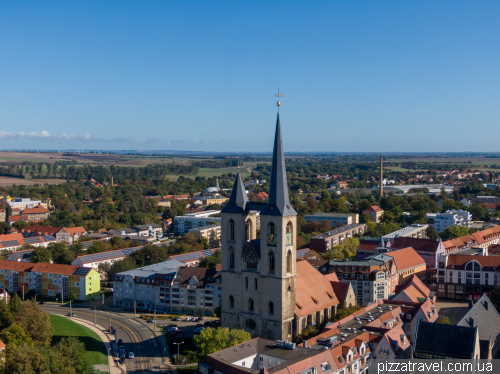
(200, 75)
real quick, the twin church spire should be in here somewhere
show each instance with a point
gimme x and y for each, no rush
(278, 203)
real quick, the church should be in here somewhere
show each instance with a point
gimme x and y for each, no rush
(264, 290)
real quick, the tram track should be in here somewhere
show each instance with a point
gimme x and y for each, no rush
(141, 357)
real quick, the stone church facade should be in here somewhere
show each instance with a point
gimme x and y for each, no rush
(259, 274)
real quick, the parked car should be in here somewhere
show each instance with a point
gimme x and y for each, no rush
(43, 302)
(120, 342)
(71, 314)
(199, 330)
(199, 325)
(176, 319)
(121, 348)
(152, 320)
(113, 331)
(208, 324)
(131, 355)
(122, 360)
(187, 319)
(199, 319)
(176, 332)
(171, 327)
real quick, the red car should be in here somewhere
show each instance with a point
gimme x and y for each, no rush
(176, 332)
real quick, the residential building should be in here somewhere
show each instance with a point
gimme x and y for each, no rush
(408, 263)
(109, 257)
(168, 287)
(467, 277)
(36, 214)
(334, 218)
(50, 280)
(412, 231)
(21, 256)
(371, 278)
(341, 185)
(182, 224)
(441, 221)
(2, 215)
(15, 241)
(165, 203)
(150, 229)
(414, 290)
(193, 258)
(61, 234)
(374, 212)
(210, 232)
(326, 241)
(440, 341)
(480, 239)
(210, 200)
(486, 318)
(70, 235)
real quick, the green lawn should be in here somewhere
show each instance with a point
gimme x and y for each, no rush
(96, 352)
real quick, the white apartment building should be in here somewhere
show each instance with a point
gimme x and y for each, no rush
(452, 217)
(182, 224)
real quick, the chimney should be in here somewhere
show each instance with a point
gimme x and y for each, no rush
(381, 177)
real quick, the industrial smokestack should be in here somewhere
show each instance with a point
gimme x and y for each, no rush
(381, 176)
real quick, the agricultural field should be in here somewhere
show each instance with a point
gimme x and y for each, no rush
(476, 161)
(9, 181)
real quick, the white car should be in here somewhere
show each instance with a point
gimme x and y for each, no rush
(187, 319)
(131, 355)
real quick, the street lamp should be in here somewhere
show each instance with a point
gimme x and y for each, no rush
(178, 354)
(109, 354)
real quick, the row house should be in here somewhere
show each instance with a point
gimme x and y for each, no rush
(480, 239)
(328, 240)
(62, 234)
(467, 277)
(50, 280)
(16, 241)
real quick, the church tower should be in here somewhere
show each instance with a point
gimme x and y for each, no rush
(259, 274)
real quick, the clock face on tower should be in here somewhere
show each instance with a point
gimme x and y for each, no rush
(271, 240)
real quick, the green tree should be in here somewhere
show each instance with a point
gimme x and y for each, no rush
(306, 334)
(35, 322)
(212, 261)
(211, 340)
(16, 335)
(15, 303)
(453, 232)
(343, 312)
(6, 315)
(431, 232)
(73, 355)
(495, 298)
(444, 320)
(41, 254)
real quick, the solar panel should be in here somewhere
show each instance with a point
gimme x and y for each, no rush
(48, 237)
(9, 243)
(81, 271)
(32, 240)
(207, 252)
(127, 251)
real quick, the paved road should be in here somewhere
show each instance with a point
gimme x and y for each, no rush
(137, 337)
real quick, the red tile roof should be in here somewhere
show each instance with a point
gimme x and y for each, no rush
(372, 209)
(36, 210)
(75, 230)
(406, 259)
(314, 292)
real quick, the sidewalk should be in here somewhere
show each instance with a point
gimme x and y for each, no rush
(113, 365)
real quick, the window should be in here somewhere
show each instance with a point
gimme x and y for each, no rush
(250, 305)
(231, 301)
(248, 230)
(231, 229)
(271, 229)
(271, 308)
(246, 283)
(289, 262)
(255, 283)
(272, 262)
(289, 328)
(289, 234)
(231, 258)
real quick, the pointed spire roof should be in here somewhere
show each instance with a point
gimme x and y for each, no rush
(278, 203)
(238, 200)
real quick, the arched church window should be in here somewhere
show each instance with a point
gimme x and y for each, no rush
(231, 258)
(231, 301)
(289, 262)
(246, 283)
(248, 230)
(255, 283)
(231, 229)
(250, 305)
(289, 234)
(272, 262)
(271, 308)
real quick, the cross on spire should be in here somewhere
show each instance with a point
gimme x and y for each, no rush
(278, 96)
